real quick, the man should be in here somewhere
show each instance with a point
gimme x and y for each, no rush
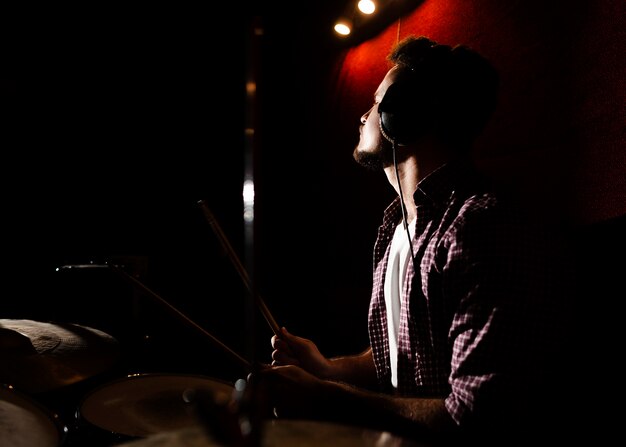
(463, 324)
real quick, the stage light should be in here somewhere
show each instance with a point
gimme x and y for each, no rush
(356, 14)
(366, 6)
(343, 27)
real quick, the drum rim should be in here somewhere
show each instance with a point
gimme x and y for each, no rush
(136, 376)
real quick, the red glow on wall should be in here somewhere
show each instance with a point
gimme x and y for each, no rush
(558, 129)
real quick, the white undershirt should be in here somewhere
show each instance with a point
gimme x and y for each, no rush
(399, 256)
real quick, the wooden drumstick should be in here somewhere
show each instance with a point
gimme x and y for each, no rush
(238, 266)
(243, 362)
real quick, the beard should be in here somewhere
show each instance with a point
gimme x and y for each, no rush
(374, 160)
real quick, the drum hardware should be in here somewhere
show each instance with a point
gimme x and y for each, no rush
(168, 307)
(181, 316)
(233, 422)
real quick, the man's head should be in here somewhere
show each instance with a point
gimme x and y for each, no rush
(431, 90)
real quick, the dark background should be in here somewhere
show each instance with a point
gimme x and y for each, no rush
(126, 120)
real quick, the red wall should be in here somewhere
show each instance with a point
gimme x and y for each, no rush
(558, 133)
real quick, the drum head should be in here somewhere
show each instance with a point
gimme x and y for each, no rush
(285, 433)
(26, 423)
(145, 404)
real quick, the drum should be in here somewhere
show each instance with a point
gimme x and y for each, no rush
(26, 423)
(140, 405)
(284, 433)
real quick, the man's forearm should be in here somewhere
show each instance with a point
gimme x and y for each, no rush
(356, 370)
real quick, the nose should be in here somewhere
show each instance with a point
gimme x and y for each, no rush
(366, 115)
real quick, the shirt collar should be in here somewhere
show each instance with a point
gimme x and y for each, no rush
(437, 187)
(433, 190)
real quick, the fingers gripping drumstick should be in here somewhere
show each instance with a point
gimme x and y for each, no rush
(238, 266)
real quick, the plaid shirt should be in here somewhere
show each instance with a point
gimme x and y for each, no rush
(472, 319)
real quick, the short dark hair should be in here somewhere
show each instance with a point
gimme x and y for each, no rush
(460, 85)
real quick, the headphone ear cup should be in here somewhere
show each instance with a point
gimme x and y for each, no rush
(398, 111)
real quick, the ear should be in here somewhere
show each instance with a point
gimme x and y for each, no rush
(403, 112)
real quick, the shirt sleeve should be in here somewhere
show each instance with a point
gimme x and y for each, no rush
(497, 281)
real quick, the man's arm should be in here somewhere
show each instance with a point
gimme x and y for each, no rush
(356, 369)
(294, 393)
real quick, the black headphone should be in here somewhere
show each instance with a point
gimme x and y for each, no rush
(404, 112)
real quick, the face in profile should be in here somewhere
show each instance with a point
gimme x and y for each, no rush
(373, 150)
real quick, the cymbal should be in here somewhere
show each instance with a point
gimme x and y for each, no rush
(43, 356)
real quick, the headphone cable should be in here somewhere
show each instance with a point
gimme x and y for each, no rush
(404, 212)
